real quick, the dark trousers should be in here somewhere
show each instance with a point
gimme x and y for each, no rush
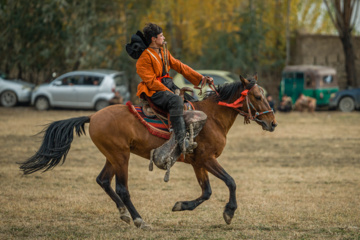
(168, 82)
(169, 102)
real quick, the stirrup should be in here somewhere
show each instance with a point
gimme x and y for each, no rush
(188, 144)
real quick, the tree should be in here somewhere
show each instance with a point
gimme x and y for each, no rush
(91, 31)
(31, 40)
(341, 13)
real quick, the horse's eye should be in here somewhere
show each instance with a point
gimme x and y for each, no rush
(258, 98)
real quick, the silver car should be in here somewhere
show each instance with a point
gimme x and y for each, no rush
(88, 89)
(13, 92)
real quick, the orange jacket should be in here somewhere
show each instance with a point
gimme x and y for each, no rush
(150, 68)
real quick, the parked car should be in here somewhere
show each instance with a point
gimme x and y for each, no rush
(220, 78)
(318, 82)
(87, 89)
(13, 92)
(345, 100)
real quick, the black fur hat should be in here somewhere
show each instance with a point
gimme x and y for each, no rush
(137, 45)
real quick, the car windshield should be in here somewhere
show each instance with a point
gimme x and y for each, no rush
(218, 80)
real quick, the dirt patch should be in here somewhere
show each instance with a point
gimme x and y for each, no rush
(299, 182)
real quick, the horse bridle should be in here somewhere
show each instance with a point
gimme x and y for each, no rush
(239, 103)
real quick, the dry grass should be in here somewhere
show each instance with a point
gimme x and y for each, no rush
(300, 182)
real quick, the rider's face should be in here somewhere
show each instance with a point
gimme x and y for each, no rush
(159, 40)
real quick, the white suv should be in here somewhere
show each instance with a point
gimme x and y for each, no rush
(88, 89)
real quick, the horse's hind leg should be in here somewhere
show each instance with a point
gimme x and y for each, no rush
(203, 179)
(214, 167)
(104, 180)
(122, 190)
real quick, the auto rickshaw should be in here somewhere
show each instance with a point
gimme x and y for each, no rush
(318, 82)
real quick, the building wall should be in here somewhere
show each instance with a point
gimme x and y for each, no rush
(326, 50)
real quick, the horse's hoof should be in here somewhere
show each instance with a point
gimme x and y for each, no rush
(177, 207)
(227, 218)
(125, 215)
(126, 219)
(139, 223)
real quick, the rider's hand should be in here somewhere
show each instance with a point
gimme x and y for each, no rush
(207, 79)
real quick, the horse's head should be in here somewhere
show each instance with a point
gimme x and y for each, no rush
(255, 106)
(248, 99)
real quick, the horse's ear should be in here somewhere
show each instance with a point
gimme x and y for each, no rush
(256, 76)
(244, 81)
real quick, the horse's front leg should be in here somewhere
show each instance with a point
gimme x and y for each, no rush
(203, 179)
(215, 168)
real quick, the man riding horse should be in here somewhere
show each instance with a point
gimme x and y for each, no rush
(153, 66)
(116, 133)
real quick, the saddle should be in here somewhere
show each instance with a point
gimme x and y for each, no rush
(151, 110)
(167, 154)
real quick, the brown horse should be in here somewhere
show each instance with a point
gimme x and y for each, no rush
(117, 133)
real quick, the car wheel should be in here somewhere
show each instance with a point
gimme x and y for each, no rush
(101, 104)
(8, 99)
(42, 104)
(347, 104)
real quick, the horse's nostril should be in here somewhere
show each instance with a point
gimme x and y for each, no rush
(273, 124)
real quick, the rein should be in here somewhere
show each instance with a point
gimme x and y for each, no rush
(211, 86)
(238, 103)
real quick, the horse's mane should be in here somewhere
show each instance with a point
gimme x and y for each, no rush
(229, 90)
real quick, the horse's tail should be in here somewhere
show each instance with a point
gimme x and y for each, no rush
(56, 144)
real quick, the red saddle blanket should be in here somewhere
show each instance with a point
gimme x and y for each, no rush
(155, 126)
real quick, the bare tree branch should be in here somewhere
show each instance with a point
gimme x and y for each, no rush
(332, 17)
(339, 18)
(344, 26)
(355, 8)
(347, 13)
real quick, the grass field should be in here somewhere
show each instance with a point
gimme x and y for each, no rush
(300, 182)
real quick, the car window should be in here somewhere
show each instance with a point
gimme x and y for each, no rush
(299, 75)
(328, 79)
(309, 82)
(92, 80)
(120, 80)
(71, 80)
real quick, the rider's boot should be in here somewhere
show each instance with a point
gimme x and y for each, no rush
(179, 127)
